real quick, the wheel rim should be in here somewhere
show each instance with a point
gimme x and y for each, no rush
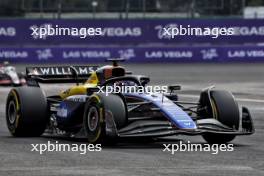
(12, 112)
(93, 118)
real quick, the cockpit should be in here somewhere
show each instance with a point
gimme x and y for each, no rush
(106, 72)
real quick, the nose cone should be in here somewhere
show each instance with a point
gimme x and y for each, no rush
(15, 78)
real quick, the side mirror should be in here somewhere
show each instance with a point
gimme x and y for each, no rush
(144, 80)
(173, 88)
(74, 73)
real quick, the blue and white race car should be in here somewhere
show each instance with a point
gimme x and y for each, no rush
(86, 108)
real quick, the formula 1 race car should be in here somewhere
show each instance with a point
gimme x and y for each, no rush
(9, 76)
(86, 109)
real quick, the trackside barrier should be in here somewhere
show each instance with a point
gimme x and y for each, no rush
(133, 54)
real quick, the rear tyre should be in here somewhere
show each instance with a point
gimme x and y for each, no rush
(26, 112)
(225, 110)
(94, 117)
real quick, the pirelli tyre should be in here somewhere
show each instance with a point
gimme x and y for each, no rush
(96, 109)
(26, 112)
(226, 111)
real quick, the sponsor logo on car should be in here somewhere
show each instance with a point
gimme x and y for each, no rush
(62, 110)
(81, 70)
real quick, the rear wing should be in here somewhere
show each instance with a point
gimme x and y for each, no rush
(59, 74)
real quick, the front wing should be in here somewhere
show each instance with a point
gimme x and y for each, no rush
(155, 128)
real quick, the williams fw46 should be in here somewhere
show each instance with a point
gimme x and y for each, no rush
(82, 110)
(9, 76)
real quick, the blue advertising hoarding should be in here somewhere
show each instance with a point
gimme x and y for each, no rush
(119, 32)
(133, 54)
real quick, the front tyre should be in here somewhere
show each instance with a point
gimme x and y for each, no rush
(97, 109)
(93, 121)
(225, 109)
(218, 138)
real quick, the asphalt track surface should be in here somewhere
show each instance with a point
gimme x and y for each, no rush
(141, 157)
